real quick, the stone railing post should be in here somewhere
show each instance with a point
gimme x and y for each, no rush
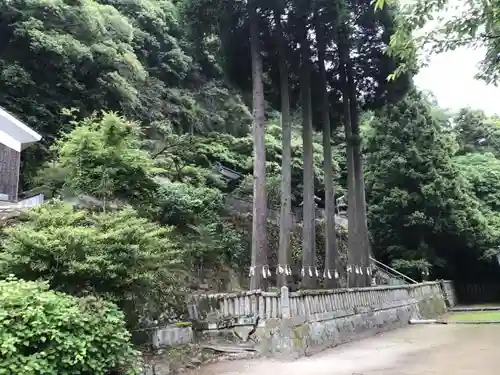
(285, 303)
(448, 293)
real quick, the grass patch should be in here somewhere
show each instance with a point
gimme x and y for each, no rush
(475, 316)
(183, 324)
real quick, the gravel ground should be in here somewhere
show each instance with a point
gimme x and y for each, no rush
(416, 350)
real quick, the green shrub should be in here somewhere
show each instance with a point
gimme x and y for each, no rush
(101, 157)
(118, 256)
(44, 332)
(183, 205)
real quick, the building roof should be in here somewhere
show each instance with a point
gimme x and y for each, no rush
(14, 134)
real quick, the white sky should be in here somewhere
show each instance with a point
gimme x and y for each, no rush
(450, 77)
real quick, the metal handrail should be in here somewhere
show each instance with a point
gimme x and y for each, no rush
(394, 271)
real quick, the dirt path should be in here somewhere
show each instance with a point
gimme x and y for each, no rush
(416, 350)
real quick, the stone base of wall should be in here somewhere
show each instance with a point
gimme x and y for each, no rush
(432, 307)
(305, 322)
(296, 337)
(172, 335)
(448, 290)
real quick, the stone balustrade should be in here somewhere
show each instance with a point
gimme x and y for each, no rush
(236, 305)
(284, 304)
(301, 323)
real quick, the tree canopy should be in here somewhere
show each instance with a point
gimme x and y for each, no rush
(444, 25)
(415, 188)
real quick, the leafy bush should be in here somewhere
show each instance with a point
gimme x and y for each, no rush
(195, 212)
(183, 205)
(273, 188)
(45, 332)
(101, 157)
(190, 159)
(413, 268)
(119, 256)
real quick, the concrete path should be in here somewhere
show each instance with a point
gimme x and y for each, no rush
(416, 350)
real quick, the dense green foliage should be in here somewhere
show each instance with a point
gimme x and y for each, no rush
(46, 332)
(415, 189)
(164, 66)
(476, 132)
(101, 157)
(192, 159)
(118, 255)
(195, 213)
(144, 105)
(132, 57)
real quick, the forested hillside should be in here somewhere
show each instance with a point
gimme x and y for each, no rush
(141, 103)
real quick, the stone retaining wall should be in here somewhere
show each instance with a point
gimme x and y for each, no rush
(172, 335)
(449, 293)
(301, 323)
(298, 336)
(216, 310)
